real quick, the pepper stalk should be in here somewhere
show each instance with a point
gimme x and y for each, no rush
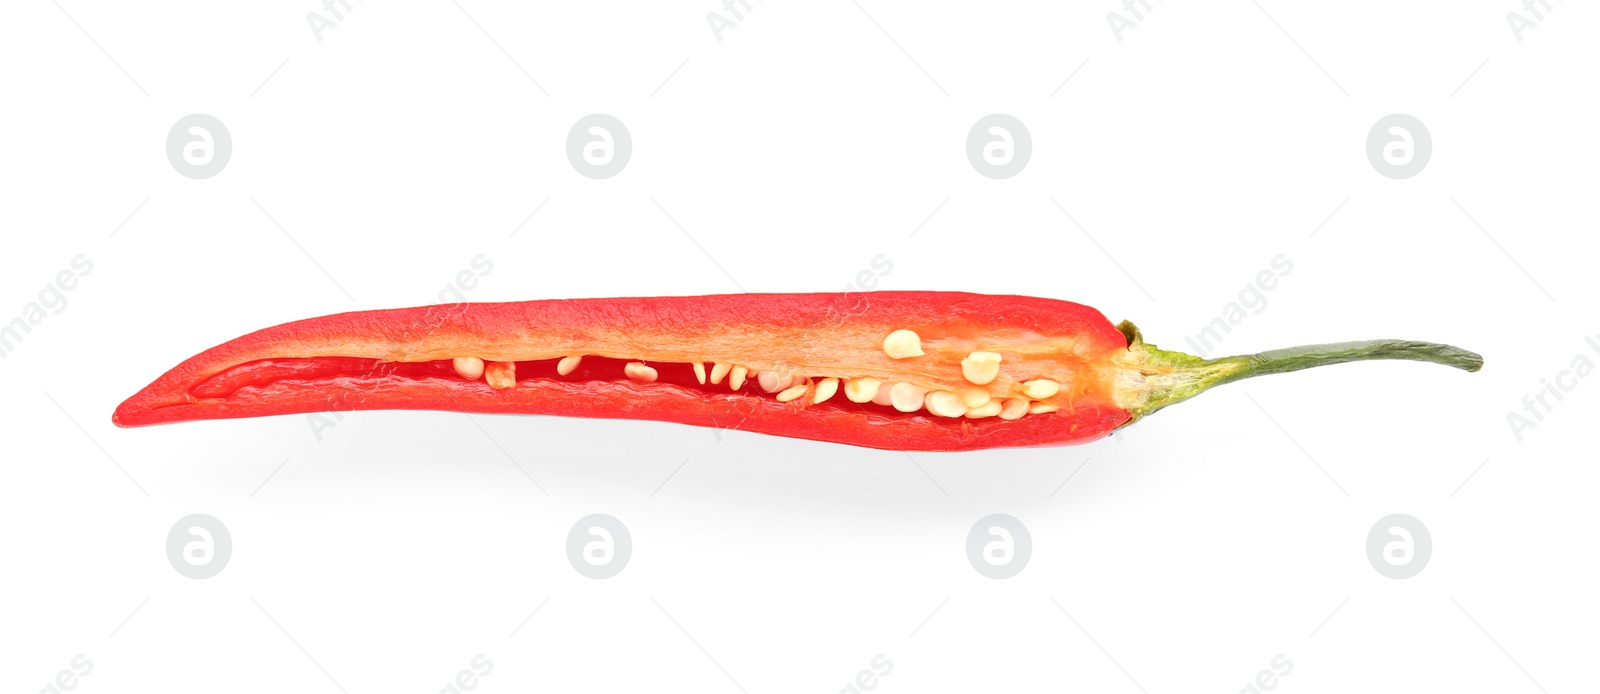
(1155, 378)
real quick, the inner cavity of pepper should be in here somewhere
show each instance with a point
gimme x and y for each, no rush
(887, 397)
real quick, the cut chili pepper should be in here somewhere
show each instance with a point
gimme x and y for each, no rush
(925, 371)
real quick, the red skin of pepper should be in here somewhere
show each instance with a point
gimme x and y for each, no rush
(438, 332)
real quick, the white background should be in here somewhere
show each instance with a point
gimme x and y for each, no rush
(1182, 556)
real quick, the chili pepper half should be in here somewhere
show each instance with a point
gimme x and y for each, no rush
(924, 371)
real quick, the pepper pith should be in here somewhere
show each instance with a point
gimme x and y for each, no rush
(829, 367)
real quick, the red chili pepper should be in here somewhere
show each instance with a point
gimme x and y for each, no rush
(893, 370)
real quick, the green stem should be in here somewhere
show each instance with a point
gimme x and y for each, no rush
(1159, 378)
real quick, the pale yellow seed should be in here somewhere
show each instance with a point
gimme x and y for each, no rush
(568, 365)
(793, 392)
(975, 397)
(825, 389)
(1041, 408)
(981, 367)
(861, 389)
(469, 368)
(902, 344)
(719, 372)
(500, 374)
(1040, 388)
(945, 404)
(772, 381)
(906, 397)
(1014, 409)
(700, 373)
(736, 378)
(988, 409)
(882, 396)
(637, 371)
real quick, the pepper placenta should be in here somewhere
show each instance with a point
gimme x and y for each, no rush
(916, 371)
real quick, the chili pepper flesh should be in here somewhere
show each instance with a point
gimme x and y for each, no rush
(892, 370)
